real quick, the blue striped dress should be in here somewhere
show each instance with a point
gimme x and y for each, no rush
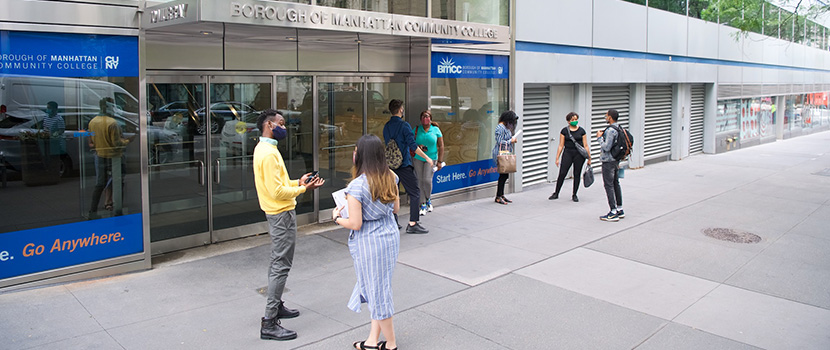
(374, 249)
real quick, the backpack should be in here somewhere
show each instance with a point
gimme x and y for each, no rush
(622, 143)
(393, 155)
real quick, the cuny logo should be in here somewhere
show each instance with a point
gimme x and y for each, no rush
(112, 62)
(448, 66)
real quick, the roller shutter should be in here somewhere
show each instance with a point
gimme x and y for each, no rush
(696, 128)
(657, 136)
(535, 135)
(604, 98)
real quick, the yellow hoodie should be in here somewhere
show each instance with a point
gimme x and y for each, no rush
(276, 191)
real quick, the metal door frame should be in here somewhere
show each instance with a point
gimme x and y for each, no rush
(219, 235)
(324, 215)
(201, 238)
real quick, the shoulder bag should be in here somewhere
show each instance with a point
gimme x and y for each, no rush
(579, 146)
(505, 160)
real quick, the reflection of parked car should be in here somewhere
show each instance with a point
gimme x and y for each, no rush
(243, 135)
(442, 107)
(164, 112)
(221, 113)
(25, 97)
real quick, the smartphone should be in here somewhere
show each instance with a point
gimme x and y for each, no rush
(312, 176)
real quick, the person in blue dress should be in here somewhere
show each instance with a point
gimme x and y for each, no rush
(374, 240)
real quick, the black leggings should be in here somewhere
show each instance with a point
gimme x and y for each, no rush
(570, 157)
(502, 181)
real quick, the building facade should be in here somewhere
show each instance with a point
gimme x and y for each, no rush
(682, 84)
(127, 127)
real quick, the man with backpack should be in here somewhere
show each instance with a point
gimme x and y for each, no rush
(400, 140)
(615, 145)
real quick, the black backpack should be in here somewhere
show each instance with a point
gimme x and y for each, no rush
(622, 143)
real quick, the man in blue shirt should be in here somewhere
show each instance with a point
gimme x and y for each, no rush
(400, 131)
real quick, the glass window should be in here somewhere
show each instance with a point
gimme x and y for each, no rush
(467, 111)
(69, 147)
(398, 7)
(728, 113)
(478, 11)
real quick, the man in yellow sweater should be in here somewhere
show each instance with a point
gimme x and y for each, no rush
(277, 197)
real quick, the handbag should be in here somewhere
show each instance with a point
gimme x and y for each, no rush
(588, 176)
(579, 147)
(505, 161)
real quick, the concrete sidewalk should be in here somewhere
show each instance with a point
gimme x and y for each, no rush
(536, 274)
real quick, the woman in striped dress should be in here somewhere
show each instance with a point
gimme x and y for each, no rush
(504, 140)
(374, 240)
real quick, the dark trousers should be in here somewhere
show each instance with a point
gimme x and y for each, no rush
(502, 181)
(570, 157)
(410, 183)
(611, 181)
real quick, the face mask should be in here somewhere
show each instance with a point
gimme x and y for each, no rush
(279, 132)
(574, 122)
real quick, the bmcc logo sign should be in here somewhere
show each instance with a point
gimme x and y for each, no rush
(448, 66)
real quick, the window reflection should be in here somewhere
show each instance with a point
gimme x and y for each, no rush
(478, 11)
(467, 112)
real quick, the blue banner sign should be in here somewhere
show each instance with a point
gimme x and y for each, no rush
(68, 55)
(461, 65)
(47, 248)
(453, 177)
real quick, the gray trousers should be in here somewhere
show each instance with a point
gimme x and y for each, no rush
(283, 230)
(611, 182)
(424, 174)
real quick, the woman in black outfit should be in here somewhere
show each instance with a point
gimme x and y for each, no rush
(571, 155)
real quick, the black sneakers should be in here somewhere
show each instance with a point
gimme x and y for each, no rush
(620, 214)
(611, 216)
(416, 229)
(575, 198)
(554, 196)
(271, 329)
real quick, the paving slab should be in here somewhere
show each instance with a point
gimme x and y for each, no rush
(522, 313)
(546, 238)
(414, 330)
(637, 286)
(759, 320)
(708, 259)
(329, 294)
(43, 316)
(796, 267)
(94, 341)
(222, 326)
(679, 337)
(468, 260)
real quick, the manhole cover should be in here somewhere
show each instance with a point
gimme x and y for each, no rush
(825, 172)
(730, 235)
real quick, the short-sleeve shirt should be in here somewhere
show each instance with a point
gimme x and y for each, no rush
(578, 134)
(428, 138)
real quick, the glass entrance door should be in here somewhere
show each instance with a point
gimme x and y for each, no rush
(235, 104)
(340, 116)
(177, 164)
(348, 108)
